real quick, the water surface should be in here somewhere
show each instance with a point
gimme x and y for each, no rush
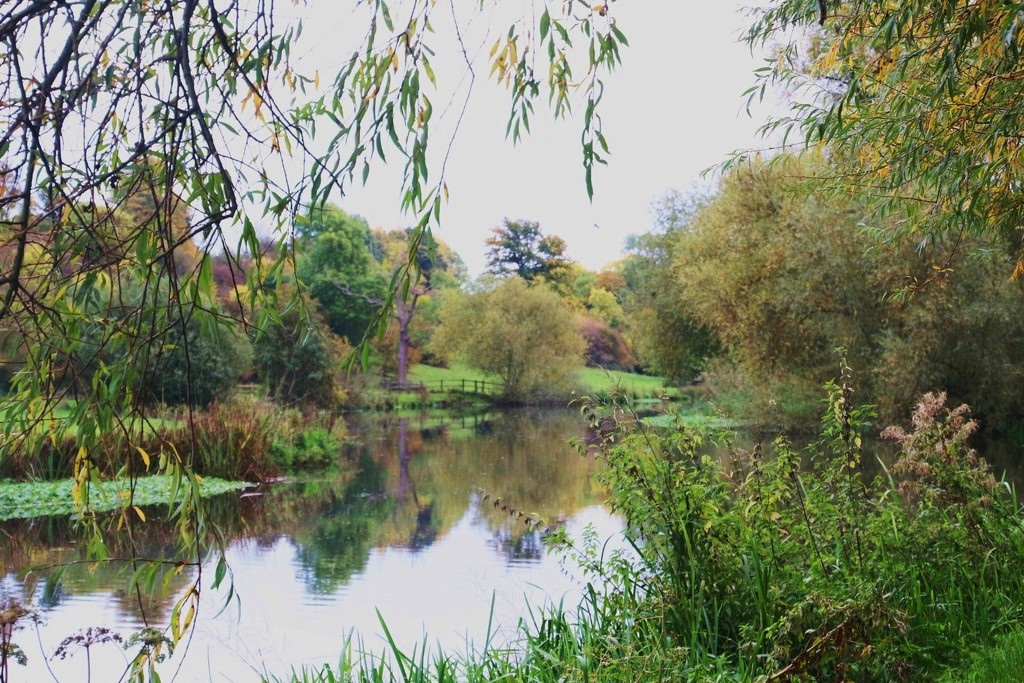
(406, 531)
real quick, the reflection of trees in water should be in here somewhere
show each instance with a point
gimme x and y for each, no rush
(410, 483)
(431, 471)
(518, 547)
(521, 456)
(341, 530)
(60, 568)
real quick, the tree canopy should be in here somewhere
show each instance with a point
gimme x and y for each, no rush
(336, 262)
(918, 102)
(524, 334)
(520, 248)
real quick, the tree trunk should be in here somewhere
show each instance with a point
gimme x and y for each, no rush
(403, 314)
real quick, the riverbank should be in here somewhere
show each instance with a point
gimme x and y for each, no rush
(785, 566)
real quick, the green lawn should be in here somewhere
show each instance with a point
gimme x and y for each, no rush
(591, 380)
(428, 374)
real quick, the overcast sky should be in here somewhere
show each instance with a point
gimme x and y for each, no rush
(673, 109)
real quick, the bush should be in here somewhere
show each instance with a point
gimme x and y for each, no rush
(606, 346)
(313, 448)
(297, 358)
(798, 570)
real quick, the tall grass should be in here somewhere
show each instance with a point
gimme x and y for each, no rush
(254, 440)
(243, 439)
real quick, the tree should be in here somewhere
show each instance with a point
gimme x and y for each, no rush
(337, 263)
(436, 266)
(211, 101)
(519, 248)
(918, 103)
(783, 278)
(669, 339)
(199, 369)
(299, 362)
(525, 335)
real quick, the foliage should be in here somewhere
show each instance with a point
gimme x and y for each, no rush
(519, 248)
(603, 304)
(337, 264)
(200, 361)
(298, 360)
(606, 346)
(917, 102)
(311, 448)
(41, 499)
(782, 570)
(256, 440)
(233, 440)
(669, 340)
(522, 334)
(783, 278)
(1000, 663)
(438, 267)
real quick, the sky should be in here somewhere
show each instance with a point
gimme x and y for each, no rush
(671, 110)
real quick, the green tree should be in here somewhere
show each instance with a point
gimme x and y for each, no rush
(337, 264)
(520, 248)
(298, 359)
(525, 335)
(782, 278)
(196, 366)
(918, 102)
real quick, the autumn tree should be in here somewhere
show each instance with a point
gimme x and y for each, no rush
(669, 339)
(437, 267)
(524, 334)
(520, 248)
(918, 104)
(783, 278)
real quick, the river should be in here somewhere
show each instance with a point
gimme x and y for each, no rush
(405, 531)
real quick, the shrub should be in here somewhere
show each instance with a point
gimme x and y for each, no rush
(297, 358)
(232, 440)
(313, 448)
(797, 568)
(606, 346)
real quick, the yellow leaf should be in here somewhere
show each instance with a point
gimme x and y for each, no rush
(139, 512)
(144, 455)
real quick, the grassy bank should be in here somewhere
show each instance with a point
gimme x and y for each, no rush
(243, 439)
(788, 566)
(589, 381)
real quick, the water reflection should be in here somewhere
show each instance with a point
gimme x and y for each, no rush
(402, 526)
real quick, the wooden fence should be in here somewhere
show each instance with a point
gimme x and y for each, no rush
(457, 386)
